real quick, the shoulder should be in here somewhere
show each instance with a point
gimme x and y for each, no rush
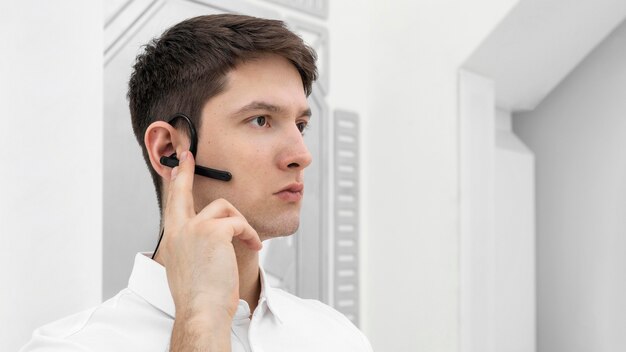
(118, 324)
(320, 317)
(309, 307)
(55, 336)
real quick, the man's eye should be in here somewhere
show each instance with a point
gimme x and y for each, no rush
(260, 120)
(302, 126)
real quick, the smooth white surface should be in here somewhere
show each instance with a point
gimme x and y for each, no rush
(539, 43)
(578, 134)
(349, 50)
(50, 137)
(411, 166)
(497, 293)
(477, 222)
(514, 241)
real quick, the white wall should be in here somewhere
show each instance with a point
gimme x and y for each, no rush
(411, 167)
(50, 137)
(578, 134)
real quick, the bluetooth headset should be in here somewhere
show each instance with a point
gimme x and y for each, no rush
(172, 161)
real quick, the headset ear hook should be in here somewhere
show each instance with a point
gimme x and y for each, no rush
(172, 160)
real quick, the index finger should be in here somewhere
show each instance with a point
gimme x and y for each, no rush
(180, 206)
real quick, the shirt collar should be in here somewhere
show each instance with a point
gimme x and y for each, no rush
(149, 281)
(267, 294)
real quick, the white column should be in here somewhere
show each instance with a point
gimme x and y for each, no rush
(497, 251)
(514, 279)
(477, 252)
(51, 173)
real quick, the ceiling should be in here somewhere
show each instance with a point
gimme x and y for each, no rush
(539, 43)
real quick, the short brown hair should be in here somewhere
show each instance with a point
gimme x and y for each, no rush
(188, 64)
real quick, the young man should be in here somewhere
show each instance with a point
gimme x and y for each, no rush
(243, 82)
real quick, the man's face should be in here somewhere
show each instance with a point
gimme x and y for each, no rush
(253, 130)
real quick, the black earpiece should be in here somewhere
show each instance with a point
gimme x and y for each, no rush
(172, 160)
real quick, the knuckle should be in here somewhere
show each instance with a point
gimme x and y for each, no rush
(221, 226)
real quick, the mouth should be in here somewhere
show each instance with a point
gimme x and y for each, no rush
(292, 193)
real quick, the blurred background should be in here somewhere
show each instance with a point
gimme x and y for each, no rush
(469, 185)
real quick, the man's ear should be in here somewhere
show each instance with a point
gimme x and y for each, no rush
(161, 139)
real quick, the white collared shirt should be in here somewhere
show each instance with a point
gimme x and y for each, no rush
(140, 318)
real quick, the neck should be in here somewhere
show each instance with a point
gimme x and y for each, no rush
(249, 275)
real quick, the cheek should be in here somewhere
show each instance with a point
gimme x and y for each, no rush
(250, 158)
(257, 180)
(255, 167)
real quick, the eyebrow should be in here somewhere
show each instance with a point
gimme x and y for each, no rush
(260, 105)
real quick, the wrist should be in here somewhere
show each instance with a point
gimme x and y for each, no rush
(214, 319)
(193, 332)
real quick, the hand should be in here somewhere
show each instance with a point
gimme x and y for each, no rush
(199, 258)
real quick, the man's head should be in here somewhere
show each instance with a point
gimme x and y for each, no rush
(243, 81)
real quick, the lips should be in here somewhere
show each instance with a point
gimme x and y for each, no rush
(294, 187)
(291, 193)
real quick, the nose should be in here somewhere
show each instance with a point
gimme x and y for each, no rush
(295, 154)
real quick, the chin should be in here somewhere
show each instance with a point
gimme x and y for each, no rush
(276, 227)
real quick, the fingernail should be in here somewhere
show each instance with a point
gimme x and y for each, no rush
(183, 155)
(174, 173)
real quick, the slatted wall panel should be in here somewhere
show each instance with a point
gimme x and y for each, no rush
(346, 197)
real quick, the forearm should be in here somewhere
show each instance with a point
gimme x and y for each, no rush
(200, 335)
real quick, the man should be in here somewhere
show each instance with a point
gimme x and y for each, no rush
(243, 83)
